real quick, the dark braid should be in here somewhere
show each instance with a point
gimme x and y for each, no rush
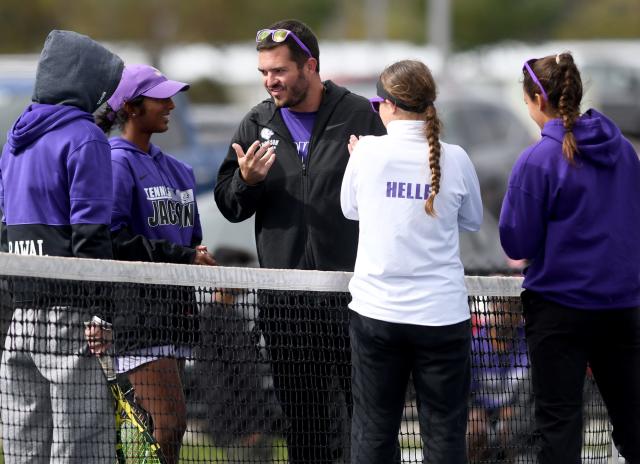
(106, 118)
(561, 80)
(432, 130)
(569, 103)
(411, 82)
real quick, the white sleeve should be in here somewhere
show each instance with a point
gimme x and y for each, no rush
(349, 190)
(470, 212)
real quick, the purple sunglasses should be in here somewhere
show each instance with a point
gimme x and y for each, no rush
(533, 76)
(279, 36)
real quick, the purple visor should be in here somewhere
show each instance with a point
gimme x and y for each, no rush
(143, 80)
(534, 77)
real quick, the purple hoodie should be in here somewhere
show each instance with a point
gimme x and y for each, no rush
(55, 183)
(154, 198)
(578, 225)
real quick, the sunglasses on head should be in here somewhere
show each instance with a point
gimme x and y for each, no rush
(375, 103)
(527, 66)
(279, 36)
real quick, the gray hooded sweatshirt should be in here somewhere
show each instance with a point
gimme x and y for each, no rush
(77, 71)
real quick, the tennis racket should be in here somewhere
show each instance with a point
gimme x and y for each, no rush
(135, 443)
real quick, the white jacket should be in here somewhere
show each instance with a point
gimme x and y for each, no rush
(408, 268)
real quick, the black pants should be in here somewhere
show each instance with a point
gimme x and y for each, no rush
(384, 354)
(307, 338)
(562, 341)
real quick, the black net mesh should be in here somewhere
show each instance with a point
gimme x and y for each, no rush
(233, 371)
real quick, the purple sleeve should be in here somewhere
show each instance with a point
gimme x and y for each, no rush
(123, 185)
(4, 247)
(523, 218)
(1, 195)
(89, 176)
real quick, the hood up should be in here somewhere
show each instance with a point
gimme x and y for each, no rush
(75, 70)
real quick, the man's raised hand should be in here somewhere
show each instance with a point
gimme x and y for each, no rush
(256, 162)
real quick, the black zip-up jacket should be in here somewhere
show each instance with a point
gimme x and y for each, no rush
(299, 223)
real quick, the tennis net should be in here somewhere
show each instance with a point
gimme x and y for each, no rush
(262, 357)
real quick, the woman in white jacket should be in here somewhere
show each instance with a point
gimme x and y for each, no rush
(410, 315)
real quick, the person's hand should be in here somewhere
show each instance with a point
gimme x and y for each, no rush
(99, 336)
(203, 257)
(353, 141)
(256, 162)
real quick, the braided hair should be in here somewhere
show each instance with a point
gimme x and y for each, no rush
(106, 118)
(411, 83)
(561, 80)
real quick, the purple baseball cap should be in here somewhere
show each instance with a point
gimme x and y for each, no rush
(142, 79)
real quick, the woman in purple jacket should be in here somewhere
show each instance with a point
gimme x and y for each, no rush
(572, 210)
(155, 218)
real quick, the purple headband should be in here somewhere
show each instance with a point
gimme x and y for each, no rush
(535, 79)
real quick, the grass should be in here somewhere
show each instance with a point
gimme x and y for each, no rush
(204, 450)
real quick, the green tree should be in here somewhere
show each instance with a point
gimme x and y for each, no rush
(597, 19)
(478, 22)
(156, 23)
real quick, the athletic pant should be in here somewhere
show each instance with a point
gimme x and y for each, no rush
(562, 341)
(307, 340)
(56, 406)
(384, 354)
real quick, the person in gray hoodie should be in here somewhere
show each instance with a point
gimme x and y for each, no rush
(56, 199)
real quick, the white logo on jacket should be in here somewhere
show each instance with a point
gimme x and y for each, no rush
(266, 133)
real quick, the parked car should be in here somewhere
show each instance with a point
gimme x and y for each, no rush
(615, 89)
(15, 95)
(492, 135)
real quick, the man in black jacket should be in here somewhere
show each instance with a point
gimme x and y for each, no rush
(286, 165)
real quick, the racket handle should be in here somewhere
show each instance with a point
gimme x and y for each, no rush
(106, 363)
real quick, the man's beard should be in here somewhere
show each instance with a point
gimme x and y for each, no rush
(296, 94)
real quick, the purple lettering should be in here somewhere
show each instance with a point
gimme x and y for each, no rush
(391, 189)
(409, 192)
(401, 186)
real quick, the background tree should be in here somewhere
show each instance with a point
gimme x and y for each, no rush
(155, 23)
